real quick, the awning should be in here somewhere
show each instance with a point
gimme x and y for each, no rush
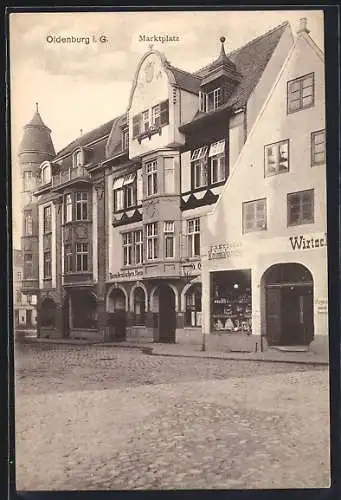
(199, 153)
(118, 183)
(128, 179)
(217, 148)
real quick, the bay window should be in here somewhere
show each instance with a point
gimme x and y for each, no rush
(82, 250)
(81, 206)
(68, 267)
(68, 208)
(151, 174)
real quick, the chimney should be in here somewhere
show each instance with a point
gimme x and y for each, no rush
(302, 27)
(81, 132)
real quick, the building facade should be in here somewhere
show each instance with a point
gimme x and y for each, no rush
(25, 314)
(122, 211)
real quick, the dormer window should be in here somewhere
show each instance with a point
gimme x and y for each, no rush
(210, 101)
(46, 174)
(151, 121)
(77, 159)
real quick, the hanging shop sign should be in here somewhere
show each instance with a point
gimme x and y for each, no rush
(306, 242)
(225, 250)
(126, 275)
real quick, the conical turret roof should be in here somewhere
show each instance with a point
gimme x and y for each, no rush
(37, 137)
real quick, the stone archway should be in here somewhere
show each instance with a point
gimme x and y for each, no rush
(288, 314)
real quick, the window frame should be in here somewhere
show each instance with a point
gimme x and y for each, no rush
(156, 116)
(125, 138)
(255, 227)
(68, 217)
(151, 178)
(68, 258)
(28, 221)
(28, 181)
(128, 248)
(301, 221)
(78, 154)
(300, 80)
(83, 205)
(47, 271)
(82, 256)
(138, 246)
(199, 161)
(169, 235)
(313, 145)
(46, 176)
(152, 241)
(192, 236)
(272, 145)
(47, 221)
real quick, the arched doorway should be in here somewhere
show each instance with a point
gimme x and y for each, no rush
(289, 311)
(139, 305)
(167, 315)
(48, 313)
(116, 308)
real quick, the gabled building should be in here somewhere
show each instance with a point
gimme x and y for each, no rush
(122, 208)
(265, 243)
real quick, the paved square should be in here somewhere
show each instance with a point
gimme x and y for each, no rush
(111, 418)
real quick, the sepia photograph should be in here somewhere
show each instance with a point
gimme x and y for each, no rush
(170, 256)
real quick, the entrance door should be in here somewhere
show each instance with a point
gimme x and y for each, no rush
(297, 324)
(29, 318)
(167, 314)
(273, 315)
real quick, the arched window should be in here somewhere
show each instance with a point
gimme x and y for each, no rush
(77, 158)
(46, 174)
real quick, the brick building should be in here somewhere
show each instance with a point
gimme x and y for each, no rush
(118, 213)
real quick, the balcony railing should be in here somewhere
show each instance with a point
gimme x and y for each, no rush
(69, 175)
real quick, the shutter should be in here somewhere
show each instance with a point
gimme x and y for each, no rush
(164, 113)
(136, 125)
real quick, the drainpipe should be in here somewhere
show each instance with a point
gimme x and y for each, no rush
(245, 123)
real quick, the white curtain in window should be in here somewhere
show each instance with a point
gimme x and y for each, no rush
(217, 148)
(118, 183)
(128, 179)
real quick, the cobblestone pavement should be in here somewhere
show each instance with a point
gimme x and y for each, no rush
(109, 418)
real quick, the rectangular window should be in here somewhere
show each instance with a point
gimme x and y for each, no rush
(47, 264)
(164, 113)
(68, 259)
(169, 173)
(136, 125)
(300, 93)
(28, 181)
(318, 148)
(77, 159)
(211, 100)
(193, 238)
(138, 246)
(47, 220)
(199, 167)
(127, 249)
(276, 158)
(254, 215)
(145, 120)
(81, 257)
(151, 173)
(125, 192)
(81, 206)
(152, 243)
(168, 230)
(156, 121)
(217, 160)
(301, 208)
(28, 266)
(125, 139)
(19, 276)
(68, 208)
(28, 222)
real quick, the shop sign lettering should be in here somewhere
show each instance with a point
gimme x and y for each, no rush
(129, 274)
(224, 250)
(306, 242)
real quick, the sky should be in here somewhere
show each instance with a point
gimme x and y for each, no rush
(80, 86)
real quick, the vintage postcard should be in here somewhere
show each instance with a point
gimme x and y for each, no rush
(170, 250)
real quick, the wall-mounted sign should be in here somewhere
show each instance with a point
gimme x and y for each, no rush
(304, 242)
(225, 250)
(190, 268)
(321, 306)
(128, 274)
